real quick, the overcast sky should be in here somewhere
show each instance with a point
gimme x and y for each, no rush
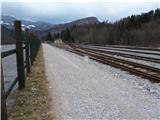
(65, 11)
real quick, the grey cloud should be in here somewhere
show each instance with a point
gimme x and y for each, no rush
(65, 12)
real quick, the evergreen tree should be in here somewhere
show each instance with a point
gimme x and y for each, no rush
(49, 37)
(66, 35)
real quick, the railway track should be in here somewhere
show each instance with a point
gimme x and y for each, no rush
(144, 71)
(128, 47)
(134, 48)
(156, 60)
(141, 51)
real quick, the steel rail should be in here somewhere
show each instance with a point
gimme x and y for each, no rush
(125, 50)
(146, 72)
(132, 47)
(156, 60)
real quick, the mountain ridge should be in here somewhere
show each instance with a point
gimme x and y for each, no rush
(43, 28)
(8, 22)
(41, 25)
(60, 27)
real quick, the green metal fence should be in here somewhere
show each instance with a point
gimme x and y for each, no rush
(29, 43)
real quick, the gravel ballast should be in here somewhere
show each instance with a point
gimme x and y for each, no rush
(84, 89)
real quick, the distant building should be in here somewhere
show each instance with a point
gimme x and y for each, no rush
(58, 41)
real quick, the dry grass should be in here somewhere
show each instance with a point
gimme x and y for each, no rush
(33, 102)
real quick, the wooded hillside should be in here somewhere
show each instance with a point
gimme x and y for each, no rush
(135, 30)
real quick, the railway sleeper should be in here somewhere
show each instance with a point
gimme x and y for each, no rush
(153, 78)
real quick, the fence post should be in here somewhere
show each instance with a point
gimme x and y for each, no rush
(19, 55)
(27, 50)
(31, 47)
(3, 98)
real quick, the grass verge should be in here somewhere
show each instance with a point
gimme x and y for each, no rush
(33, 102)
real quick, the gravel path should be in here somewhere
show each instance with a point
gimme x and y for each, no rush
(84, 89)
